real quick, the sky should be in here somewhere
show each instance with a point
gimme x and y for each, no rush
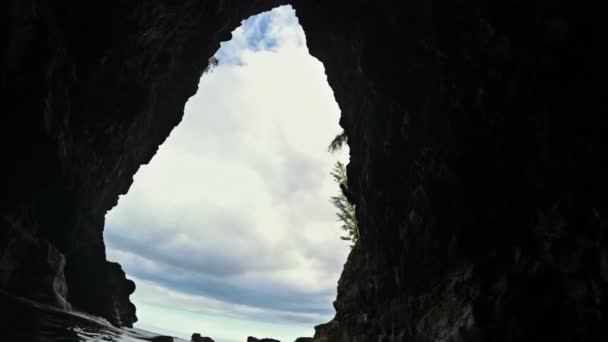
(229, 231)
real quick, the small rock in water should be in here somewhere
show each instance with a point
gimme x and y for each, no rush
(253, 339)
(196, 337)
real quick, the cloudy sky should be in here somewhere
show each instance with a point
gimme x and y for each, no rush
(229, 230)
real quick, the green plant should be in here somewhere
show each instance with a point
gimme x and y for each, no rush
(345, 209)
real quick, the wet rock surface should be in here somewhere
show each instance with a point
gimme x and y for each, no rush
(476, 134)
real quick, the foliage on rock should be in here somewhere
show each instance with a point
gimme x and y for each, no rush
(345, 209)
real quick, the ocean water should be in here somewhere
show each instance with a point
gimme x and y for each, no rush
(23, 321)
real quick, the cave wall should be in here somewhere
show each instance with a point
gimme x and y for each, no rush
(477, 166)
(475, 132)
(89, 92)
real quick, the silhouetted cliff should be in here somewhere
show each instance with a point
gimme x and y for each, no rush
(475, 132)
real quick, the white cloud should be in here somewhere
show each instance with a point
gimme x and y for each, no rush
(238, 195)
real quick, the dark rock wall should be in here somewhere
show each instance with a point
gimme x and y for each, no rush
(476, 138)
(89, 92)
(478, 164)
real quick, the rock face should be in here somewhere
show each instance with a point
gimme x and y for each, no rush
(478, 190)
(92, 91)
(476, 165)
(476, 134)
(32, 268)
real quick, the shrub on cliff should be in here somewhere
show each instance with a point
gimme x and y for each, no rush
(345, 208)
(337, 143)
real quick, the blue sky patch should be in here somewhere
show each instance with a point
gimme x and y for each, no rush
(258, 33)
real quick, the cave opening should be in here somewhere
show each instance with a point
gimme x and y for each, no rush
(229, 230)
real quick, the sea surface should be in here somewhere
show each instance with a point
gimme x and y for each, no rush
(25, 321)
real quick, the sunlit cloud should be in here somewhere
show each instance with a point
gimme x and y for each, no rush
(232, 217)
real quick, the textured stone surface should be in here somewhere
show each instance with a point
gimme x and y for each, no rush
(32, 268)
(475, 128)
(477, 157)
(90, 92)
